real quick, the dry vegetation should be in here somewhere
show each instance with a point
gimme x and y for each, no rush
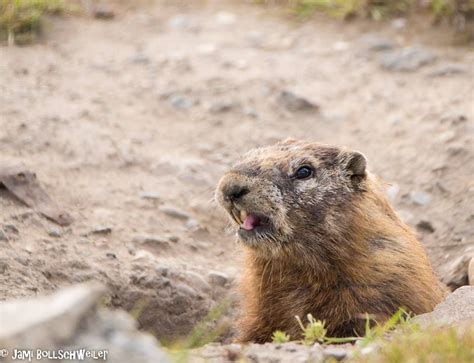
(22, 20)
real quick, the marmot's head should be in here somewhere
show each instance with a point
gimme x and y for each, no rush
(291, 191)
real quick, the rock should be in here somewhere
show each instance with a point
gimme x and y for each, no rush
(224, 106)
(456, 309)
(338, 353)
(470, 272)
(375, 43)
(111, 256)
(54, 232)
(181, 102)
(175, 213)
(103, 12)
(225, 18)
(149, 195)
(71, 319)
(407, 59)
(140, 58)
(251, 112)
(454, 273)
(153, 241)
(10, 229)
(294, 102)
(425, 226)
(173, 238)
(448, 69)
(102, 230)
(454, 118)
(193, 225)
(420, 198)
(218, 278)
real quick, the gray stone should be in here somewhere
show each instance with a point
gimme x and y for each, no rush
(448, 69)
(420, 198)
(338, 353)
(154, 241)
(173, 238)
(224, 106)
(149, 195)
(101, 230)
(457, 309)
(375, 43)
(71, 319)
(218, 278)
(425, 226)
(140, 58)
(11, 229)
(54, 232)
(181, 102)
(175, 213)
(407, 59)
(293, 102)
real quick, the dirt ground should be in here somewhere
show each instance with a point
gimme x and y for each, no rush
(130, 122)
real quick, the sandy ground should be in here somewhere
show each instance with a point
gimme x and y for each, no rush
(129, 124)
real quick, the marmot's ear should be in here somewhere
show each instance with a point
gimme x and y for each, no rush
(354, 163)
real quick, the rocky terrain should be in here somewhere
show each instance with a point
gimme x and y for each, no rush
(129, 122)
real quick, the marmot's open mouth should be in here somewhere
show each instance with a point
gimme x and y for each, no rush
(251, 224)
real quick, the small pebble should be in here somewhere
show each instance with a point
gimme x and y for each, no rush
(294, 102)
(420, 198)
(175, 213)
(218, 278)
(56, 233)
(335, 352)
(149, 195)
(101, 230)
(425, 226)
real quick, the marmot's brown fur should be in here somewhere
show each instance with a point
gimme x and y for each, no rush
(321, 238)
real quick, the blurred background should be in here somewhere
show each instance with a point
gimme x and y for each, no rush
(129, 112)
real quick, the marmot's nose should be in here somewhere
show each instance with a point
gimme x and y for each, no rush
(234, 192)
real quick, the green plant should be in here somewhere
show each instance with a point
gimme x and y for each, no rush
(314, 331)
(435, 344)
(22, 20)
(401, 319)
(280, 337)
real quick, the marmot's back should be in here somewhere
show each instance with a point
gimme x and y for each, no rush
(320, 238)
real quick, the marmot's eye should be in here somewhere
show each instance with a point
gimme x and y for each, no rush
(303, 172)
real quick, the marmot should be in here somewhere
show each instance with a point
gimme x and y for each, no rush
(321, 238)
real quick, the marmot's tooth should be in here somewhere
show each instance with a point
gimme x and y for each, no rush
(235, 214)
(243, 215)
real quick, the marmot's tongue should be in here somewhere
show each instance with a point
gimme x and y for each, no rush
(250, 222)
